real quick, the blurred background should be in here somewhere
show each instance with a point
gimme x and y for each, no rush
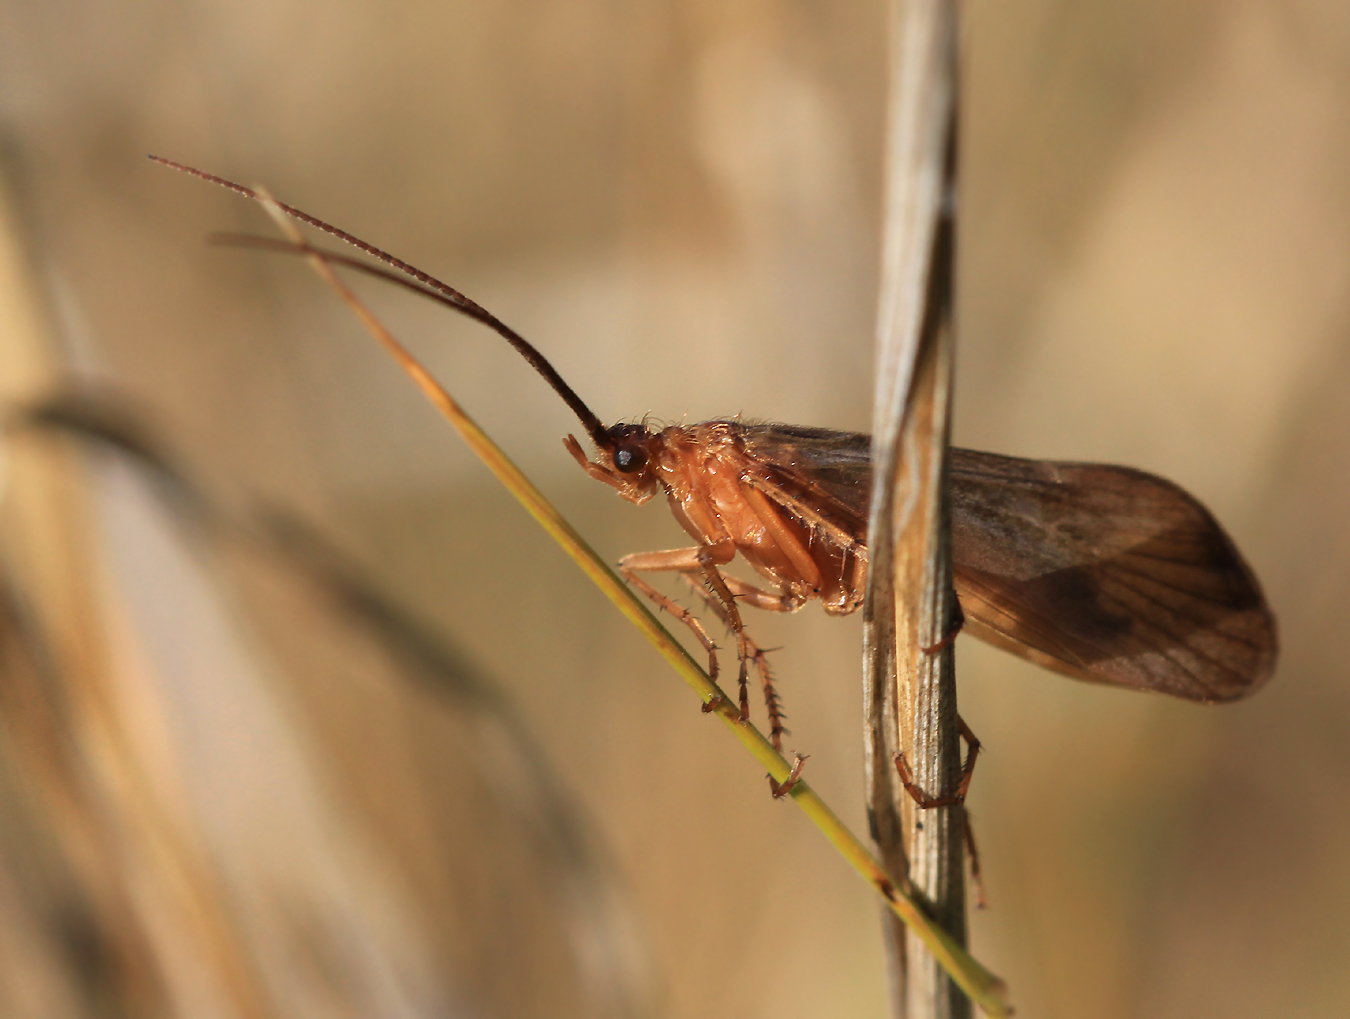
(313, 721)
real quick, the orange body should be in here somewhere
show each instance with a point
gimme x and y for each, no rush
(732, 503)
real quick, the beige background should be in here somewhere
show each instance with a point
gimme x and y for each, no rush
(678, 202)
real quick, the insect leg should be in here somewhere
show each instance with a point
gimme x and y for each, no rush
(699, 561)
(957, 799)
(927, 802)
(953, 631)
(728, 611)
(781, 789)
(774, 603)
(679, 612)
(770, 601)
(981, 900)
(972, 751)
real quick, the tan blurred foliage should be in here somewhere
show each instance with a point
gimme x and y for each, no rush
(222, 796)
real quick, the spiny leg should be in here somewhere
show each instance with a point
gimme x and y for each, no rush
(760, 599)
(754, 653)
(719, 594)
(698, 561)
(725, 606)
(770, 602)
(773, 704)
(679, 612)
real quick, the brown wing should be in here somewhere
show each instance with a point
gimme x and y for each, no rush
(1103, 573)
(1106, 574)
(822, 475)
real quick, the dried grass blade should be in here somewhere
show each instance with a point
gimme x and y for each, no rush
(909, 694)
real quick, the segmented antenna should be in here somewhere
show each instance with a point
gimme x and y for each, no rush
(430, 286)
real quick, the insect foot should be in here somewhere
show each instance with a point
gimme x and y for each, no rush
(780, 790)
(713, 703)
(957, 800)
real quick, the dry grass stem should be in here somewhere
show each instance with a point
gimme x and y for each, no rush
(910, 695)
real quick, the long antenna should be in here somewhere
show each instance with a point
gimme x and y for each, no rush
(430, 287)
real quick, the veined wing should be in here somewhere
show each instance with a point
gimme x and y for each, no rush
(822, 476)
(1103, 573)
(1106, 574)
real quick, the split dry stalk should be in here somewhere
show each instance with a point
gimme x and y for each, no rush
(910, 693)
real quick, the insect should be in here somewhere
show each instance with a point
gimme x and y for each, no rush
(1103, 573)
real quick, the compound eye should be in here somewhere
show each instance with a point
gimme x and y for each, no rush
(629, 459)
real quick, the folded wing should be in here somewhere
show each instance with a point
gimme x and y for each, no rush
(1107, 574)
(1103, 573)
